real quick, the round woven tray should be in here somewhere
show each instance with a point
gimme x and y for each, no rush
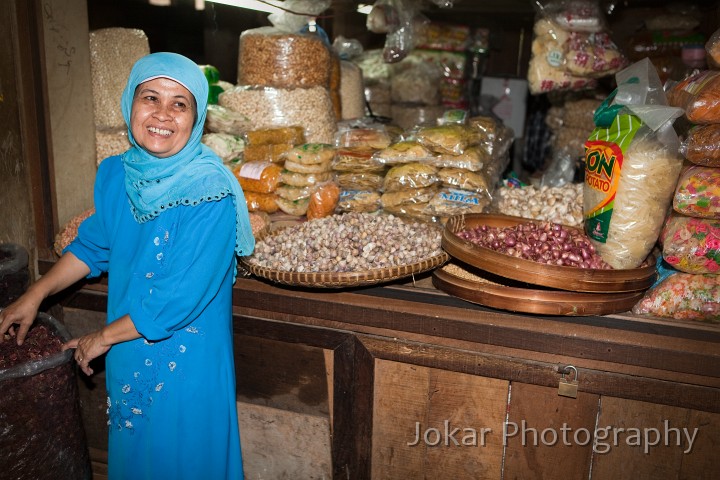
(344, 279)
(553, 276)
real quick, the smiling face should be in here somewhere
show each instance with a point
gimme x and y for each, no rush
(162, 117)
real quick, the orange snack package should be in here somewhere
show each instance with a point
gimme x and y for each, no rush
(323, 200)
(259, 177)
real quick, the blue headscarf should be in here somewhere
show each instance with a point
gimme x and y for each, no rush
(193, 175)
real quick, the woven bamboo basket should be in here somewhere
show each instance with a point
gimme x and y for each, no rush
(345, 279)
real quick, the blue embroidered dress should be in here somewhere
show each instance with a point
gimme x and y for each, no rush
(167, 231)
(171, 394)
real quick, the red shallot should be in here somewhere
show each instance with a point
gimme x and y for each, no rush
(543, 242)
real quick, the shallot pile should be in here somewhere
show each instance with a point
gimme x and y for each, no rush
(542, 242)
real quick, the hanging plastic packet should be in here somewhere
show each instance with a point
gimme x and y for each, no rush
(632, 164)
(571, 47)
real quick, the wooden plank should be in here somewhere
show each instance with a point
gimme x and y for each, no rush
(430, 423)
(640, 443)
(330, 378)
(549, 436)
(671, 349)
(583, 340)
(400, 401)
(98, 461)
(701, 462)
(539, 373)
(35, 121)
(476, 407)
(353, 391)
(281, 375)
(484, 348)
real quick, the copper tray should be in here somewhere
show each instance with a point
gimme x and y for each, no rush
(535, 301)
(563, 278)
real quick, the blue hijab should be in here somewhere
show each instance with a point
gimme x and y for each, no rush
(193, 175)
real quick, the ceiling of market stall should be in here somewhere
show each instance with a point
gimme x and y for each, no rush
(210, 36)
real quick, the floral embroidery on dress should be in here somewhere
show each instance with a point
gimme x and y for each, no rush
(139, 392)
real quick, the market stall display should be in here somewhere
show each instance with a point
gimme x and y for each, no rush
(689, 287)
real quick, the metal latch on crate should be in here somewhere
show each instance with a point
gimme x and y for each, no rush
(567, 387)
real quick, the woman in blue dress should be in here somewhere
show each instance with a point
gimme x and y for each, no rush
(170, 220)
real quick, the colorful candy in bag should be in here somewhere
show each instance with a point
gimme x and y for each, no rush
(692, 245)
(698, 192)
(683, 296)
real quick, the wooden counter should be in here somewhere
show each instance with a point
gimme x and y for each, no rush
(407, 358)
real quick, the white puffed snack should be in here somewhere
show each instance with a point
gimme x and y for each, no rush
(110, 142)
(352, 91)
(113, 52)
(269, 107)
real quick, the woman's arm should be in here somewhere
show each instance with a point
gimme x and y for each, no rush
(94, 344)
(68, 270)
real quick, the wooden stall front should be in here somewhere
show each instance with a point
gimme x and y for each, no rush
(409, 382)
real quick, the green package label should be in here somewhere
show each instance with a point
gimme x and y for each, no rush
(604, 154)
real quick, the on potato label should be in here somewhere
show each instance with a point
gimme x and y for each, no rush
(604, 153)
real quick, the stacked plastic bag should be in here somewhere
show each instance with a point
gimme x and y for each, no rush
(288, 75)
(355, 170)
(443, 170)
(690, 238)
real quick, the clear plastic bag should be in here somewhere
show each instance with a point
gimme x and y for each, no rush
(276, 58)
(359, 180)
(712, 48)
(223, 120)
(375, 137)
(356, 159)
(692, 245)
(358, 201)
(227, 146)
(632, 164)
(405, 151)
(297, 13)
(699, 96)
(571, 47)
(310, 153)
(323, 200)
(454, 201)
(698, 192)
(269, 107)
(410, 175)
(701, 145)
(450, 139)
(259, 177)
(683, 296)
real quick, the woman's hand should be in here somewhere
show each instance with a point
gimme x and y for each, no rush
(22, 313)
(87, 348)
